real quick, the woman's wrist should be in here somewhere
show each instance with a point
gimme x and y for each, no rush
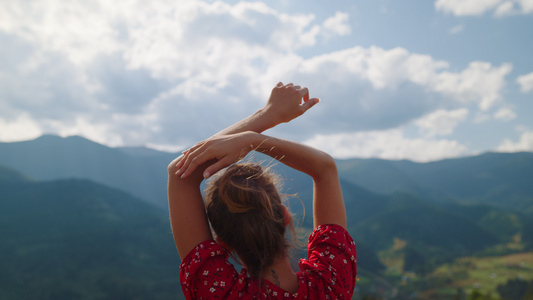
(251, 140)
(268, 117)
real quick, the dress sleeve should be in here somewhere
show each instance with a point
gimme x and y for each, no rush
(206, 272)
(331, 264)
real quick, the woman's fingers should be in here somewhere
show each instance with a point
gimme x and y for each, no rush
(196, 159)
(179, 162)
(304, 92)
(184, 160)
(310, 103)
(184, 164)
(219, 165)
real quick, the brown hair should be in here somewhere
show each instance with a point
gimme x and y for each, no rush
(246, 213)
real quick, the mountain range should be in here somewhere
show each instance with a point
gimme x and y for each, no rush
(71, 204)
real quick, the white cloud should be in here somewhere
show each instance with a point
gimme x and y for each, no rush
(504, 9)
(526, 82)
(440, 122)
(457, 29)
(466, 7)
(388, 144)
(505, 114)
(201, 49)
(527, 5)
(514, 7)
(338, 24)
(396, 77)
(163, 72)
(480, 82)
(78, 31)
(478, 7)
(19, 129)
(105, 59)
(379, 67)
(98, 132)
(524, 144)
(160, 34)
(481, 117)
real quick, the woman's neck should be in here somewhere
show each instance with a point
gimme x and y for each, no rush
(282, 274)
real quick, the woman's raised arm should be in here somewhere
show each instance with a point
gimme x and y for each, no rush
(328, 202)
(285, 104)
(186, 206)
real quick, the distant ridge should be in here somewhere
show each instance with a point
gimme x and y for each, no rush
(141, 151)
(52, 157)
(8, 175)
(500, 179)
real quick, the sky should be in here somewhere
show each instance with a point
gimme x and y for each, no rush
(397, 79)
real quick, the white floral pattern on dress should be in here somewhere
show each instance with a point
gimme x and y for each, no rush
(328, 273)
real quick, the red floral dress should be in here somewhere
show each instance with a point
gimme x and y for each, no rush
(328, 273)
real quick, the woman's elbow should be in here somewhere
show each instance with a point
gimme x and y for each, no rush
(172, 168)
(329, 163)
(327, 167)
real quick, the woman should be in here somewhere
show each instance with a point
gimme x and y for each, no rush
(249, 219)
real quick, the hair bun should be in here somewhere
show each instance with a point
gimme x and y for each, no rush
(246, 213)
(246, 187)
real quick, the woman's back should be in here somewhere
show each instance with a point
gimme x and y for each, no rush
(329, 271)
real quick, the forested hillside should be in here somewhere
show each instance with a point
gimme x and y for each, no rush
(76, 239)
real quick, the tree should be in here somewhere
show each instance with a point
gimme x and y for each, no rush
(460, 294)
(516, 289)
(475, 295)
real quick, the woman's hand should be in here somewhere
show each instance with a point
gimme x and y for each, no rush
(225, 149)
(285, 103)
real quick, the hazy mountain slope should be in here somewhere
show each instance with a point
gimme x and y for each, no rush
(76, 239)
(434, 233)
(507, 226)
(500, 179)
(140, 151)
(8, 175)
(51, 157)
(377, 175)
(493, 178)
